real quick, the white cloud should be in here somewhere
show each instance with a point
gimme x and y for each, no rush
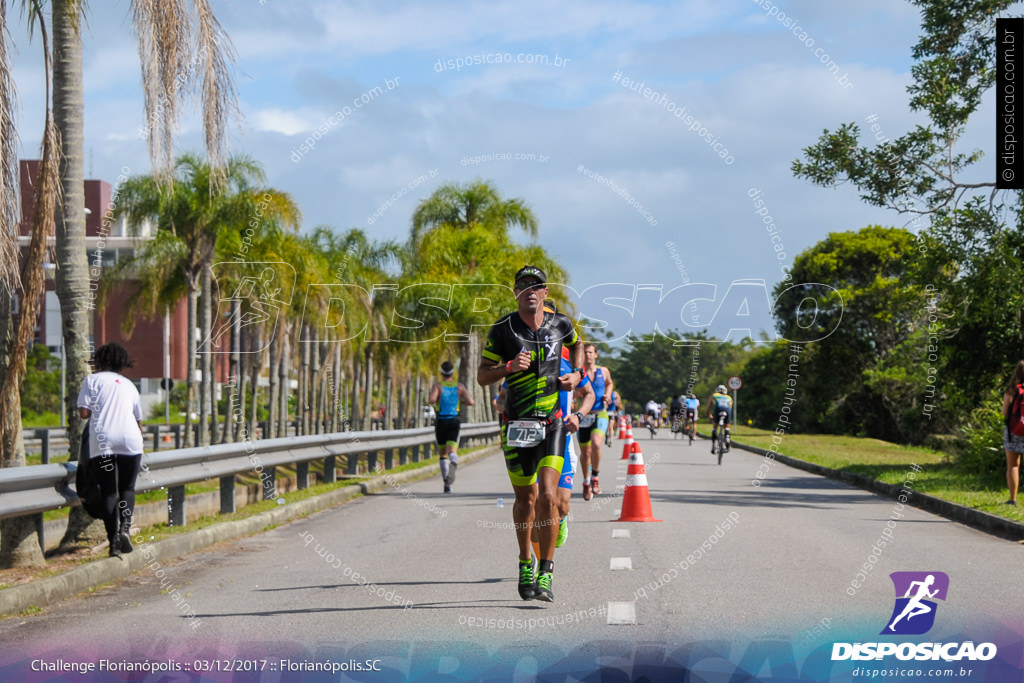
(282, 121)
(754, 85)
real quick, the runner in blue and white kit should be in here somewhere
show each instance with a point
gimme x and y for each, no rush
(585, 391)
(592, 431)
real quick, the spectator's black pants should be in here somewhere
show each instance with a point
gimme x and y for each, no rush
(116, 475)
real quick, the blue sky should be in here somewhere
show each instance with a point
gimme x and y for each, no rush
(754, 85)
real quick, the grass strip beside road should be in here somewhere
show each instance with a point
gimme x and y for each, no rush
(889, 463)
(57, 564)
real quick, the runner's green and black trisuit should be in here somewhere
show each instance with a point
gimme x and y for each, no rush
(532, 393)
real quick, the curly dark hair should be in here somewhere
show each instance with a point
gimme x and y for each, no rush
(112, 357)
(1017, 378)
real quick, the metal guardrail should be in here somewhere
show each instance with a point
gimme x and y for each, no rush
(43, 440)
(35, 489)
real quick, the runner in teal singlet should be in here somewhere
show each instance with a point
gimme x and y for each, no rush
(446, 429)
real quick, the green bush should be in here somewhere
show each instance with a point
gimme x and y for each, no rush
(156, 411)
(31, 419)
(40, 390)
(982, 451)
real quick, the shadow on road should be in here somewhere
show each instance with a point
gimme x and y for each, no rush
(377, 583)
(774, 492)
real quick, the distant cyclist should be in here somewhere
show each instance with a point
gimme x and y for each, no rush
(676, 412)
(692, 408)
(653, 412)
(719, 403)
(446, 429)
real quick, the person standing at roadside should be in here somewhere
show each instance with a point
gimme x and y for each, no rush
(1013, 444)
(446, 428)
(524, 349)
(110, 402)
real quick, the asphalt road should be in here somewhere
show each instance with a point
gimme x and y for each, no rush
(731, 563)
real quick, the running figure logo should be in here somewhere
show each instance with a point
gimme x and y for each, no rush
(914, 612)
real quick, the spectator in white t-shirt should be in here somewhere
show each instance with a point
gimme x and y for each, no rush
(110, 402)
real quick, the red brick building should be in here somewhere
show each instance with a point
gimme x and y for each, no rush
(108, 241)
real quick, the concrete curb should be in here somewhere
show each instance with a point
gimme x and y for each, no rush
(985, 521)
(47, 591)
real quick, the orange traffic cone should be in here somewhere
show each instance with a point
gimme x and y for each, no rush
(627, 446)
(636, 501)
(622, 428)
(635, 448)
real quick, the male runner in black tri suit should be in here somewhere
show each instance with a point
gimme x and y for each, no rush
(525, 349)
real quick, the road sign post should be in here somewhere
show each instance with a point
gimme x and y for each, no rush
(735, 383)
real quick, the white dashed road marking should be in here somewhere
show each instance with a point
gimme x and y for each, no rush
(621, 613)
(619, 564)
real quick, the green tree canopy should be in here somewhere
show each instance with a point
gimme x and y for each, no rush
(970, 242)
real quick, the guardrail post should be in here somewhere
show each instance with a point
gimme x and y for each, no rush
(403, 455)
(416, 452)
(302, 475)
(330, 473)
(227, 495)
(38, 519)
(176, 506)
(352, 463)
(177, 436)
(389, 458)
(371, 462)
(268, 480)
(44, 434)
(156, 437)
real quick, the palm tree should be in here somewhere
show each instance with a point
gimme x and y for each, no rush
(196, 210)
(72, 276)
(476, 203)
(19, 545)
(182, 53)
(368, 268)
(8, 169)
(460, 235)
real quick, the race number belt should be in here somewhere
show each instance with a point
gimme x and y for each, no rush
(525, 433)
(529, 432)
(588, 420)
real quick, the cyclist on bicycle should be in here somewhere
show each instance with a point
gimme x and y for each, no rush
(676, 410)
(692, 406)
(653, 410)
(720, 403)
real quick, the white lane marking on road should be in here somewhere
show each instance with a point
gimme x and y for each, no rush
(620, 533)
(620, 564)
(621, 613)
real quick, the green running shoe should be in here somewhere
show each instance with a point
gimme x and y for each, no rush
(563, 532)
(527, 582)
(544, 588)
